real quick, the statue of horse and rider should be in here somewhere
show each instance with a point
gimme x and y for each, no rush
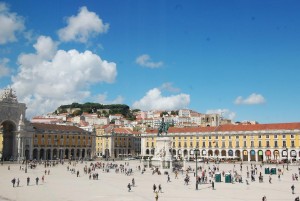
(163, 128)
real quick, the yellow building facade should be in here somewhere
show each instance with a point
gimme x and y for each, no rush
(52, 141)
(117, 143)
(259, 142)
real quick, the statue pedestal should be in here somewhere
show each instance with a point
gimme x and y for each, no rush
(163, 156)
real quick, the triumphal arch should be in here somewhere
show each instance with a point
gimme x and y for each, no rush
(15, 129)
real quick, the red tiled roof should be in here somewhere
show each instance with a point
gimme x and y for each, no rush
(231, 127)
(55, 127)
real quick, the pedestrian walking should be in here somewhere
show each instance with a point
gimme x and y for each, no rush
(18, 182)
(156, 196)
(43, 178)
(154, 187)
(37, 181)
(264, 198)
(168, 178)
(293, 189)
(297, 199)
(13, 181)
(28, 181)
(129, 187)
(213, 185)
(159, 188)
(133, 182)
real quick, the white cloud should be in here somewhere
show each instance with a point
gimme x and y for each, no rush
(154, 100)
(51, 77)
(223, 112)
(169, 87)
(102, 98)
(4, 69)
(79, 28)
(251, 100)
(10, 23)
(145, 61)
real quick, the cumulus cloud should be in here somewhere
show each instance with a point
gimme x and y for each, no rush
(169, 87)
(250, 100)
(51, 77)
(223, 112)
(82, 26)
(154, 100)
(102, 98)
(145, 61)
(11, 24)
(4, 69)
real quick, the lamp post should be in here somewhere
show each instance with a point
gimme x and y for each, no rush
(196, 151)
(287, 159)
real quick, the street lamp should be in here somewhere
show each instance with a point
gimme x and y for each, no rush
(196, 152)
(287, 159)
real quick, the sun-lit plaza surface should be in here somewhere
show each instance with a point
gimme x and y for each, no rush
(63, 185)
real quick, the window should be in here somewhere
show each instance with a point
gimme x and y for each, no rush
(245, 136)
(268, 144)
(252, 143)
(209, 144)
(191, 144)
(179, 144)
(185, 138)
(283, 136)
(223, 144)
(35, 141)
(229, 137)
(275, 144)
(292, 136)
(209, 137)
(152, 144)
(259, 144)
(147, 144)
(237, 144)
(245, 144)
(185, 144)
(292, 143)
(203, 137)
(230, 144)
(275, 136)
(179, 137)
(284, 143)
(191, 137)
(267, 136)
(237, 137)
(197, 144)
(173, 144)
(259, 136)
(223, 137)
(203, 144)
(217, 137)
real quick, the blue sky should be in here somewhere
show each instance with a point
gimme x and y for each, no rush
(238, 58)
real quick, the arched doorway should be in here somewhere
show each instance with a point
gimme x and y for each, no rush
(8, 129)
(268, 154)
(72, 154)
(147, 152)
(217, 152)
(276, 154)
(48, 154)
(237, 153)
(67, 154)
(35, 154)
(55, 156)
(260, 155)
(83, 153)
(185, 153)
(210, 153)
(223, 153)
(245, 155)
(42, 152)
(252, 155)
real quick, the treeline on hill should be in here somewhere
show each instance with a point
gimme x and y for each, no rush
(95, 107)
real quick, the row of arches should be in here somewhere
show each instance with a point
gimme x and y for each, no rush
(245, 155)
(52, 154)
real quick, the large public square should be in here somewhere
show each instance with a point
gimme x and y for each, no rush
(62, 184)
